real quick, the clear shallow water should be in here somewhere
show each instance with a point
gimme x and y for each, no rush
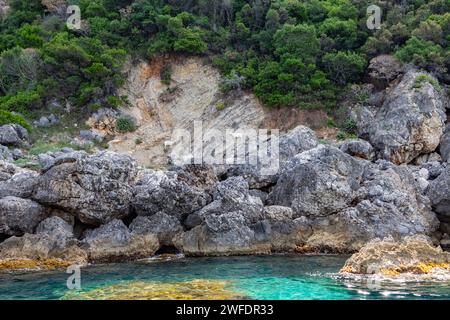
(273, 277)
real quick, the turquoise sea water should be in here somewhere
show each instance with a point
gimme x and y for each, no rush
(267, 277)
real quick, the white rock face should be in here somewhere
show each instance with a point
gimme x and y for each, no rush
(194, 95)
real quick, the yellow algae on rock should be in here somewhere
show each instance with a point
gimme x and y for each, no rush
(140, 290)
(28, 264)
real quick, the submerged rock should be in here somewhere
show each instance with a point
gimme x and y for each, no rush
(390, 257)
(139, 290)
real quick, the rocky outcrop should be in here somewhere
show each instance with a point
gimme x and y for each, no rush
(295, 141)
(13, 134)
(19, 216)
(96, 189)
(20, 184)
(411, 120)
(392, 257)
(238, 223)
(223, 226)
(114, 242)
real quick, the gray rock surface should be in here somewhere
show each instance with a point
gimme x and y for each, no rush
(176, 193)
(19, 216)
(19, 185)
(358, 148)
(318, 182)
(115, 242)
(348, 202)
(96, 189)
(13, 134)
(164, 226)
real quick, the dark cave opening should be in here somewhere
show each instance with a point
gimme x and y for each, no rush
(167, 250)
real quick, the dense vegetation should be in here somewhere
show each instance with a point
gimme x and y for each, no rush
(289, 52)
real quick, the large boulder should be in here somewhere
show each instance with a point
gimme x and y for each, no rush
(164, 226)
(411, 120)
(296, 141)
(175, 193)
(439, 194)
(20, 185)
(13, 134)
(318, 182)
(96, 189)
(114, 242)
(19, 216)
(392, 257)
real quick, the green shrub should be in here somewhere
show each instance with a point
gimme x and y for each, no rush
(422, 78)
(125, 124)
(350, 126)
(138, 141)
(7, 117)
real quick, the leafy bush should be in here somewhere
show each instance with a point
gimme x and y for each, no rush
(125, 124)
(7, 117)
(344, 67)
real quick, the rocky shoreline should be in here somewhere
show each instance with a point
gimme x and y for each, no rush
(327, 198)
